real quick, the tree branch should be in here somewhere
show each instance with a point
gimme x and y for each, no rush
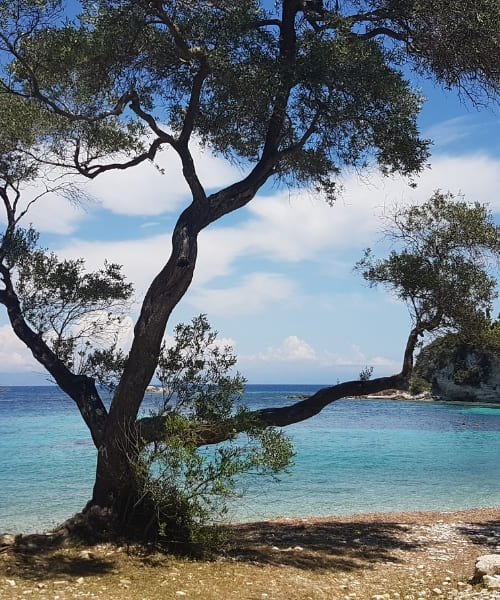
(80, 388)
(152, 429)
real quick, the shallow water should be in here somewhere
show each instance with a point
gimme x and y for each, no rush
(356, 456)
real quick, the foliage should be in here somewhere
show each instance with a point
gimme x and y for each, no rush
(78, 313)
(366, 373)
(440, 266)
(189, 484)
(468, 358)
(419, 385)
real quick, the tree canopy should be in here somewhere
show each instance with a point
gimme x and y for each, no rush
(290, 90)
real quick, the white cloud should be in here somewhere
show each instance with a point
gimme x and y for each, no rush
(255, 292)
(153, 189)
(14, 356)
(295, 350)
(290, 228)
(50, 212)
(291, 349)
(355, 358)
(141, 259)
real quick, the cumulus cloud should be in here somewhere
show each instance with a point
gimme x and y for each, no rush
(291, 349)
(141, 259)
(296, 226)
(289, 227)
(295, 350)
(354, 357)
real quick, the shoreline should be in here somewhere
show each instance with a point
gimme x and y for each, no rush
(447, 516)
(424, 397)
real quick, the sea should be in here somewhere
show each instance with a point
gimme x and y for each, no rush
(356, 456)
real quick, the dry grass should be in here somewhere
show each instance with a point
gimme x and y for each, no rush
(402, 556)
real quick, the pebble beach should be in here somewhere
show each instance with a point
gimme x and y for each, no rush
(383, 556)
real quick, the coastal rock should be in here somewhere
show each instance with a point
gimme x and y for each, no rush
(487, 571)
(447, 387)
(460, 372)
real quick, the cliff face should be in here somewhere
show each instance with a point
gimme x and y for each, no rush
(448, 386)
(460, 372)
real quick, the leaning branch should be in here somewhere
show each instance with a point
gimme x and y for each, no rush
(152, 429)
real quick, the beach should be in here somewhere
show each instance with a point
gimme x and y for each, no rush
(382, 556)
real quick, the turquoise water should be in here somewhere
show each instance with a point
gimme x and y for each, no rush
(356, 456)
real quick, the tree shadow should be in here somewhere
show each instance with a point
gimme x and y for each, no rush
(321, 545)
(486, 533)
(39, 557)
(55, 564)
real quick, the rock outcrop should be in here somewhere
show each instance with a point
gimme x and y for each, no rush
(460, 372)
(486, 389)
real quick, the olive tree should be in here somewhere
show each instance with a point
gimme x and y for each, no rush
(292, 91)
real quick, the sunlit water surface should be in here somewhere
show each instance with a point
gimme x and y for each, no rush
(356, 456)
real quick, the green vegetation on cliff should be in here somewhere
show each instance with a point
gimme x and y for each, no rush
(470, 359)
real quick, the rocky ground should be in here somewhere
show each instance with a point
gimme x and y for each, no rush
(408, 556)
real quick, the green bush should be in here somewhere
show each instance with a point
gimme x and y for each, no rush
(419, 385)
(190, 482)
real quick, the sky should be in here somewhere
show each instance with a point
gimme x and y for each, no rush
(276, 278)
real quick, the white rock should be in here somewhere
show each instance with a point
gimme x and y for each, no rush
(11, 582)
(492, 582)
(488, 564)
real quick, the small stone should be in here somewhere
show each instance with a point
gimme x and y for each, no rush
(437, 591)
(80, 580)
(11, 582)
(7, 539)
(180, 593)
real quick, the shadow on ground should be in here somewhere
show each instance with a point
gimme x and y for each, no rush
(344, 546)
(54, 565)
(485, 534)
(41, 557)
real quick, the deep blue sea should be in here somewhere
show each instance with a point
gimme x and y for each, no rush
(356, 456)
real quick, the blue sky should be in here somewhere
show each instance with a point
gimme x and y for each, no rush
(275, 278)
